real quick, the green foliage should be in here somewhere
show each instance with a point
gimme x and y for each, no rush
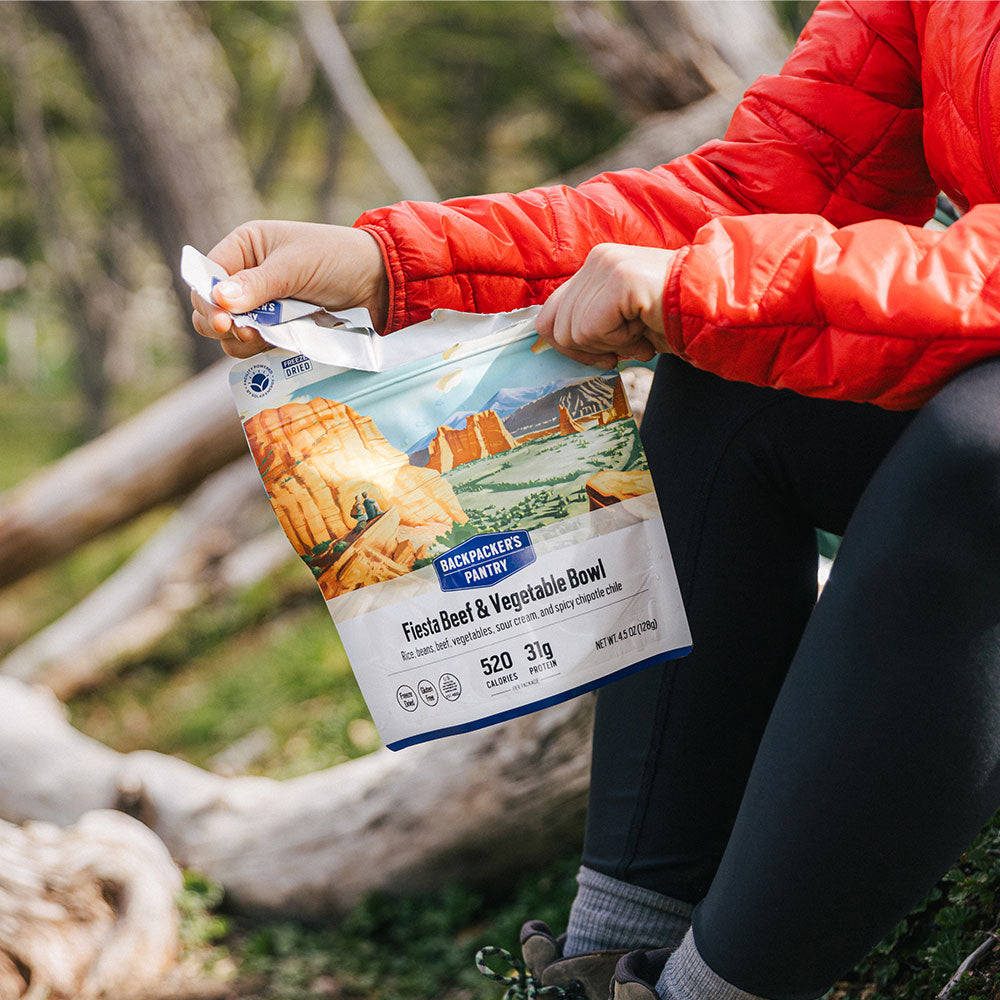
(922, 952)
(459, 533)
(84, 165)
(488, 95)
(201, 923)
(38, 427)
(793, 14)
(269, 663)
(401, 949)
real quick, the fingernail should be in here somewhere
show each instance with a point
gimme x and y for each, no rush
(229, 289)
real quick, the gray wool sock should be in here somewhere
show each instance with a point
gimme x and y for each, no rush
(687, 977)
(610, 914)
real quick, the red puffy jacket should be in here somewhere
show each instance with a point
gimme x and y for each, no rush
(878, 107)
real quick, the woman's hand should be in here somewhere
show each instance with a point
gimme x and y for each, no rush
(612, 308)
(332, 266)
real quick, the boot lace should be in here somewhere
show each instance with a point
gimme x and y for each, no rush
(522, 985)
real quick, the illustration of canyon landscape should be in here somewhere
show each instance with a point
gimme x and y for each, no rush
(360, 511)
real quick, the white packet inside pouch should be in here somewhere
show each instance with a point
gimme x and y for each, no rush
(479, 517)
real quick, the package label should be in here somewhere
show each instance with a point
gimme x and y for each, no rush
(481, 523)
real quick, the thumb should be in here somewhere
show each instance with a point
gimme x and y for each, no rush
(247, 290)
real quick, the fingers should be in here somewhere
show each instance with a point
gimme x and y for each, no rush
(336, 267)
(612, 306)
(208, 319)
(245, 289)
(253, 280)
(252, 344)
(605, 361)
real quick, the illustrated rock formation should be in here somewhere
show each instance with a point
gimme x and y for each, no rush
(619, 407)
(315, 459)
(606, 488)
(567, 425)
(598, 400)
(375, 556)
(483, 434)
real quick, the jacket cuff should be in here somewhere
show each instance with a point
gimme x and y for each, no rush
(396, 315)
(673, 326)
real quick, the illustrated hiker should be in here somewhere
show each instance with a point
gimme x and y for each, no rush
(372, 509)
(762, 812)
(360, 514)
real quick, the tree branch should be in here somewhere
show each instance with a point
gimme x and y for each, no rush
(348, 86)
(970, 961)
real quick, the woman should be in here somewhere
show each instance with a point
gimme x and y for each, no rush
(806, 775)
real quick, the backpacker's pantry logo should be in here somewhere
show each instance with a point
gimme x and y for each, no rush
(258, 380)
(484, 560)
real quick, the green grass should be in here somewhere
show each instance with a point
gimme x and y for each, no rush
(38, 428)
(40, 598)
(269, 663)
(386, 949)
(422, 948)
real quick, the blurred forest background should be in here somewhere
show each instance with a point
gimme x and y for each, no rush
(202, 691)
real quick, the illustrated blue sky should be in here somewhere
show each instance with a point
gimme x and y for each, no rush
(406, 406)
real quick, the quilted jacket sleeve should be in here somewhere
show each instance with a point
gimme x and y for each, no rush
(875, 312)
(837, 133)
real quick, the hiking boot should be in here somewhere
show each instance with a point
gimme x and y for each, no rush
(545, 971)
(543, 955)
(637, 973)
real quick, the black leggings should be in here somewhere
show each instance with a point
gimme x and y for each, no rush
(811, 769)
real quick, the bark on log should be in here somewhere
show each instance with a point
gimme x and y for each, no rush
(160, 453)
(644, 78)
(481, 807)
(137, 605)
(665, 56)
(85, 912)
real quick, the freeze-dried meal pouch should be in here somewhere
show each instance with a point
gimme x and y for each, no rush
(481, 521)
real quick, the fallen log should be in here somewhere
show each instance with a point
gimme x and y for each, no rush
(85, 912)
(480, 808)
(161, 453)
(136, 606)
